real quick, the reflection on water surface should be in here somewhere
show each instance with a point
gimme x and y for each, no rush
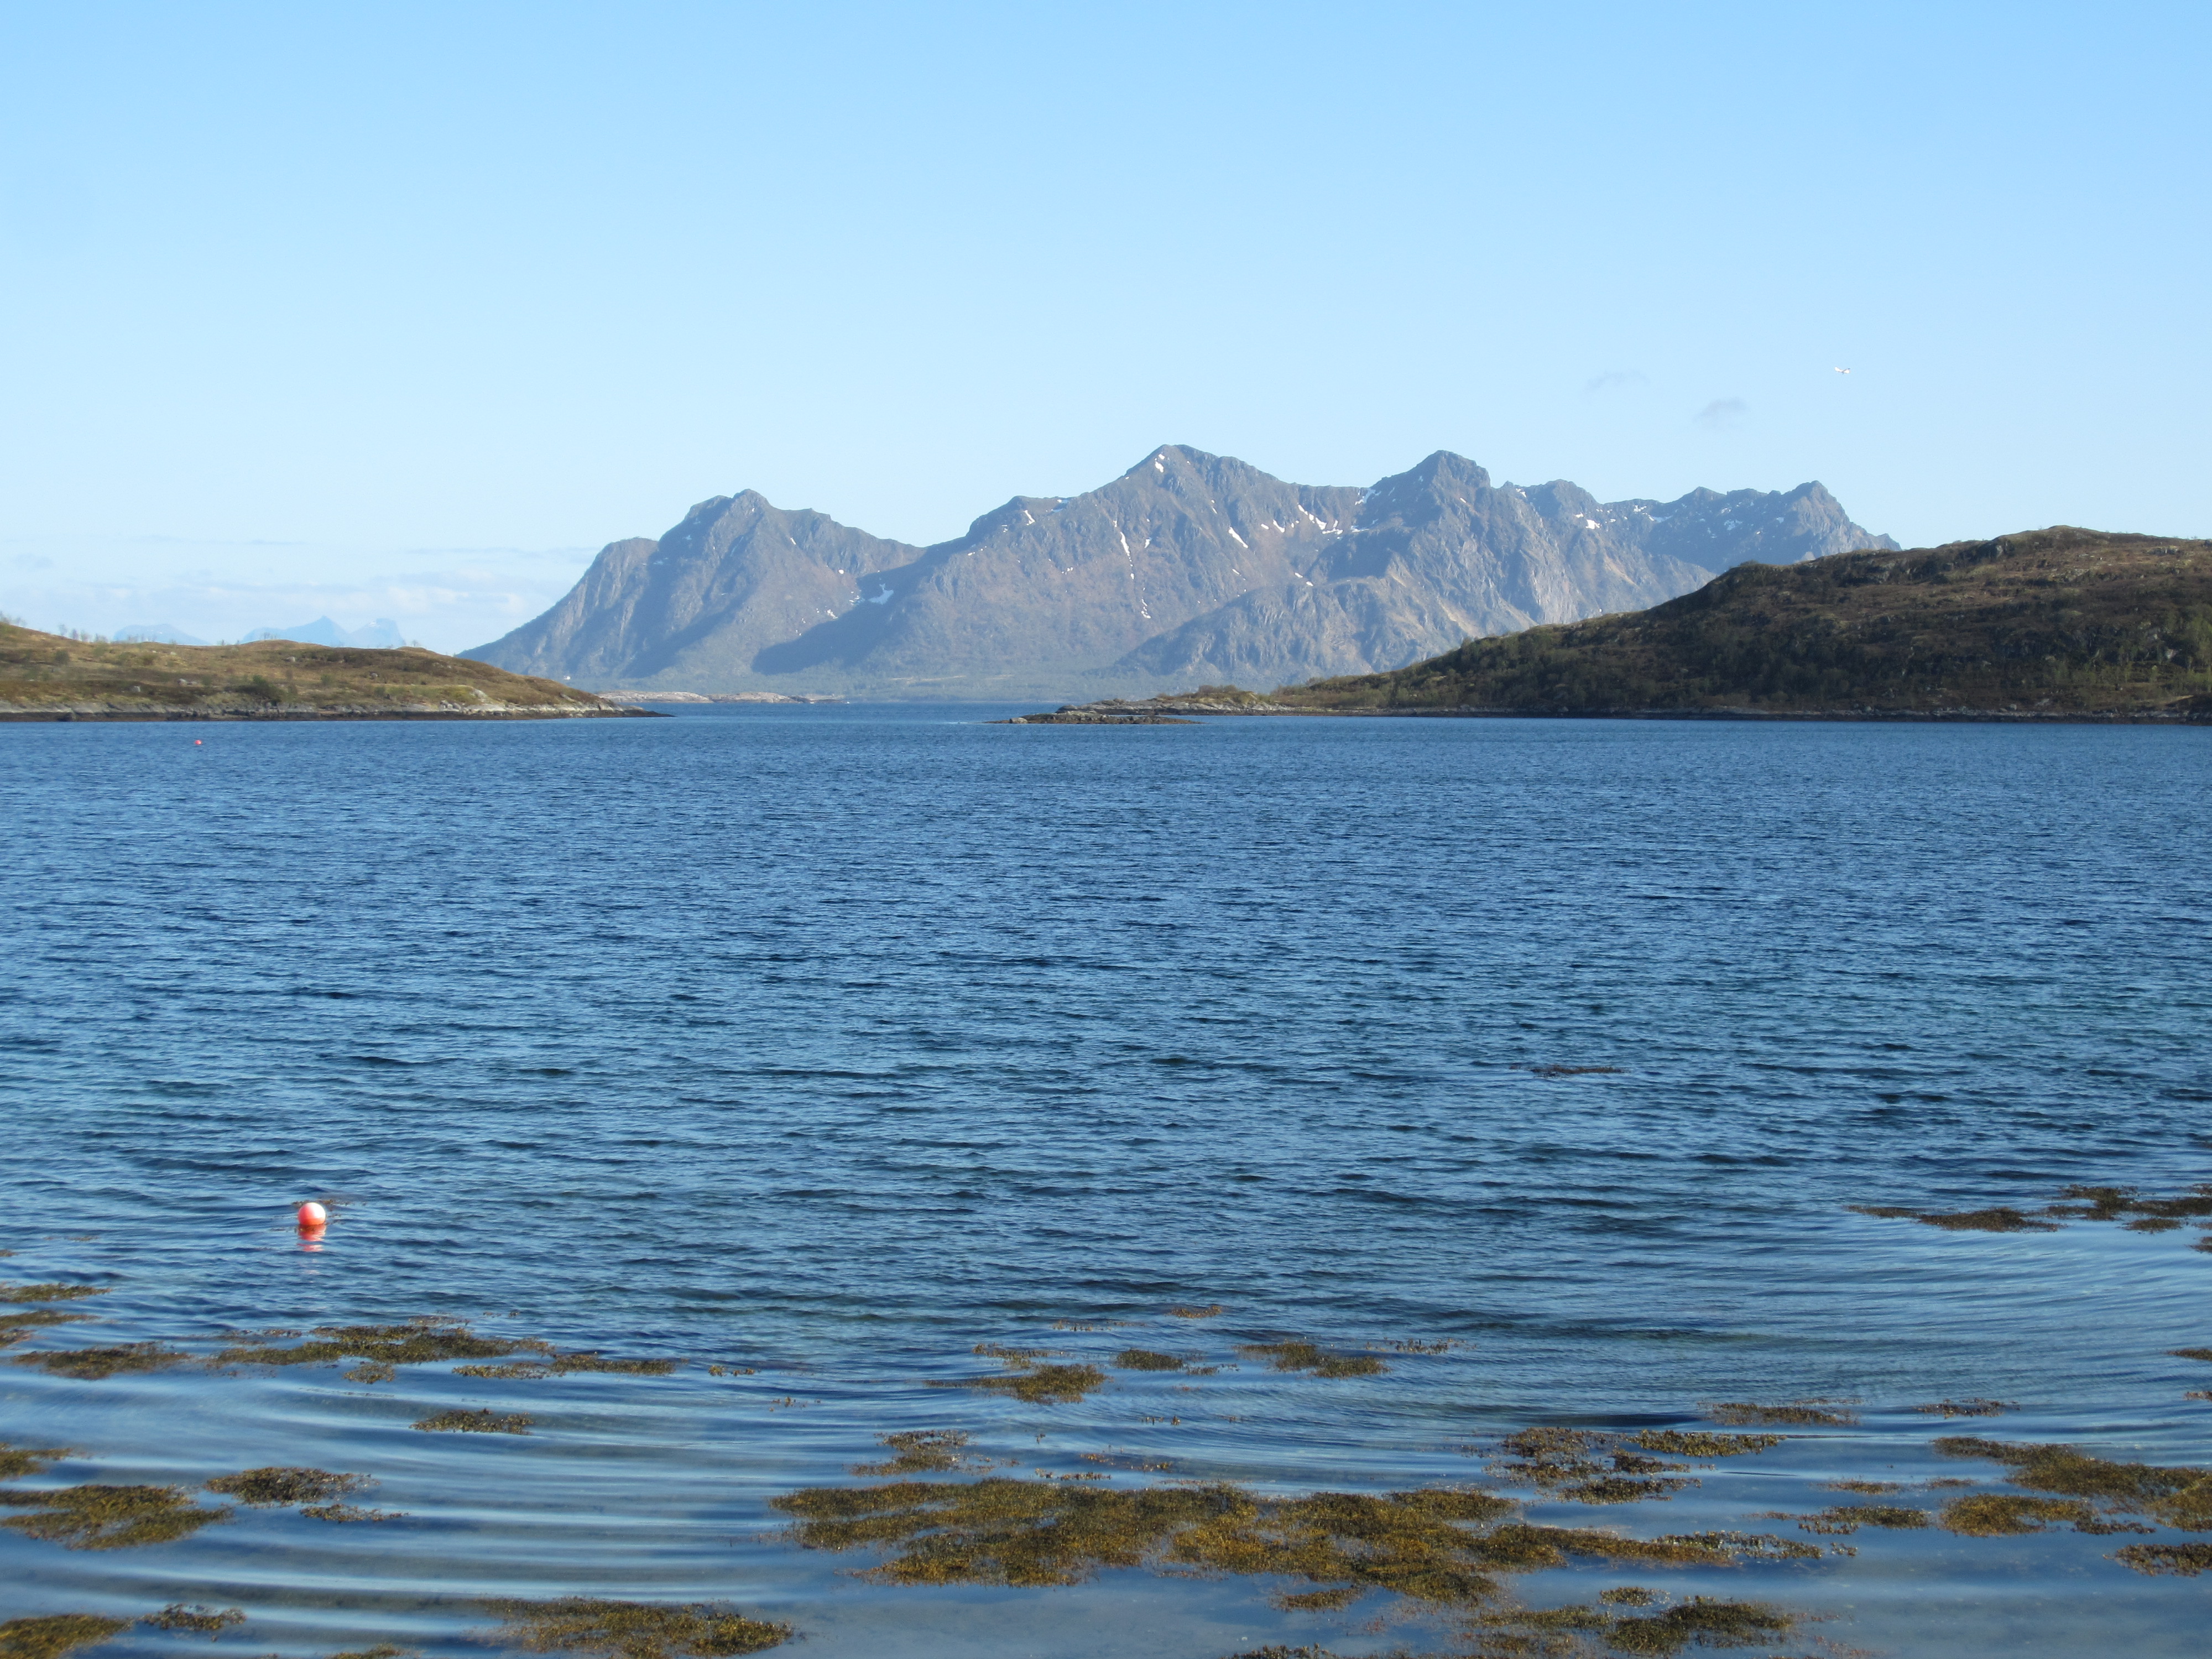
(947, 1189)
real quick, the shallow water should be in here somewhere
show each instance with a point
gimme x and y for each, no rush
(832, 1043)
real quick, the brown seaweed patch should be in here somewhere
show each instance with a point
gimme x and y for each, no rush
(1211, 1310)
(1998, 1218)
(1948, 1409)
(282, 1486)
(2187, 1560)
(14, 1327)
(49, 1293)
(1870, 1487)
(1425, 1544)
(1146, 1359)
(468, 1422)
(565, 1365)
(634, 1630)
(2113, 1203)
(1700, 1442)
(56, 1634)
(1583, 1466)
(422, 1341)
(1803, 1413)
(1039, 1384)
(102, 1517)
(2190, 1353)
(1847, 1518)
(198, 1620)
(16, 1461)
(2180, 1497)
(375, 1371)
(2003, 1515)
(344, 1512)
(382, 1650)
(923, 1451)
(1307, 1356)
(90, 1364)
(1702, 1621)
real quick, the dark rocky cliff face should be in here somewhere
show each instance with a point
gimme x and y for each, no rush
(1188, 567)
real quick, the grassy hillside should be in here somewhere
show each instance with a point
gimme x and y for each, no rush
(47, 677)
(2060, 623)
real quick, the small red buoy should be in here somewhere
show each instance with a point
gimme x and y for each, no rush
(313, 1214)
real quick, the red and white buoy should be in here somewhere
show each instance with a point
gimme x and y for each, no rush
(313, 1214)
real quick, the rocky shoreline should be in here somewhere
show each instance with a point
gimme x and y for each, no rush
(270, 711)
(1098, 714)
(1167, 710)
(637, 697)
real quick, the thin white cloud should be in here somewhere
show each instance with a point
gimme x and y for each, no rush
(1722, 412)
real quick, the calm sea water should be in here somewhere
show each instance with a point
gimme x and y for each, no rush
(834, 1042)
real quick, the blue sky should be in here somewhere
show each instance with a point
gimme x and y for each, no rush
(403, 311)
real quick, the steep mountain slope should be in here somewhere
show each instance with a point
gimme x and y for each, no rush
(1187, 566)
(1437, 555)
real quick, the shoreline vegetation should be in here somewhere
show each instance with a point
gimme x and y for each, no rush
(50, 676)
(2057, 625)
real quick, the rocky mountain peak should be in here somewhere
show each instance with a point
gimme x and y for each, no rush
(1188, 567)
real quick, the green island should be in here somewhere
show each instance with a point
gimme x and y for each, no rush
(49, 677)
(2057, 625)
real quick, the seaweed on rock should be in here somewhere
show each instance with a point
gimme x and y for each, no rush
(1584, 1466)
(282, 1486)
(1701, 1442)
(104, 1517)
(16, 1461)
(478, 1422)
(93, 1365)
(568, 1364)
(2177, 1496)
(1440, 1544)
(634, 1630)
(49, 1293)
(1948, 1409)
(924, 1451)
(14, 1327)
(56, 1634)
(198, 1620)
(422, 1341)
(1145, 1359)
(2186, 1560)
(1702, 1621)
(1802, 1413)
(1296, 1356)
(1038, 1384)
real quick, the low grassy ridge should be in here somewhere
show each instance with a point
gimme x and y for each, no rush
(47, 677)
(2059, 624)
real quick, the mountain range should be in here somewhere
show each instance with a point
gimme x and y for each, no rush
(1188, 568)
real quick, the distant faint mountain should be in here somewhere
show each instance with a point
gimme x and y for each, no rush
(153, 634)
(382, 634)
(1188, 567)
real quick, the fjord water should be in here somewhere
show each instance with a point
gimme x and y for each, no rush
(832, 1043)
